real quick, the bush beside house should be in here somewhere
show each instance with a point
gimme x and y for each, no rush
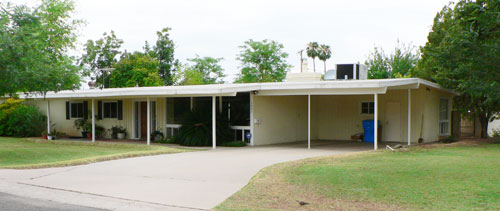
(197, 130)
(19, 120)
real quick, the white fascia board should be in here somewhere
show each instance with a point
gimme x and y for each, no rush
(371, 86)
(436, 86)
(352, 91)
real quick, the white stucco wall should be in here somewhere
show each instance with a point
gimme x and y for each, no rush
(282, 119)
(58, 115)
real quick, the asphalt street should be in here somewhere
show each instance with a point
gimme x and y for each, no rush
(9, 202)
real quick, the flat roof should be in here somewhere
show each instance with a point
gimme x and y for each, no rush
(334, 87)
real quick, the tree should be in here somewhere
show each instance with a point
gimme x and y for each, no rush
(136, 69)
(210, 70)
(378, 66)
(399, 64)
(312, 51)
(164, 50)
(262, 61)
(99, 55)
(324, 54)
(462, 53)
(34, 45)
(191, 76)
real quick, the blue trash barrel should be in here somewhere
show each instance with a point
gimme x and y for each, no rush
(369, 127)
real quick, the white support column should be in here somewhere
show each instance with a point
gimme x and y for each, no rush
(214, 141)
(375, 122)
(48, 116)
(409, 117)
(308, 121)
(191, 103)
(93, 121)
(149, 121)
(251, 119)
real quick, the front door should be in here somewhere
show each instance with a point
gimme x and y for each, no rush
(144, 120)
(392, 122)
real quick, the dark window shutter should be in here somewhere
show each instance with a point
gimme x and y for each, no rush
(67, 110)
(85, 109)
(120, 110)
(99, 109)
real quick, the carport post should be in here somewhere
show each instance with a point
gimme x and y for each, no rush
(308, 121)
(409, 117)
(213, 122)
(93, 122)
(149, 121)
(375, 122)
(48, 116)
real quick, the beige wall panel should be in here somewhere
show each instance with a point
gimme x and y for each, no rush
(282, 119)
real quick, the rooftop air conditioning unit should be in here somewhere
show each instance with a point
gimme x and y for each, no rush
(347, 71)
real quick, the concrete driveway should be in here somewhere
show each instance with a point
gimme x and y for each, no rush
(192, 180)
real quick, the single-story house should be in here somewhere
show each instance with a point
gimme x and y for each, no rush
(408, 109)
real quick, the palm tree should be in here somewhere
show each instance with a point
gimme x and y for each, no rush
(312, 51)
(324, 53)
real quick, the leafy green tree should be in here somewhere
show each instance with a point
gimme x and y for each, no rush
(399, 64)
(209, 69)
(378, 66)
(136, 69)
(100, 54)
(191, 76)
(164, 50)
(34, 45)
(324, 54)
(312, 51)
(262, 61)
(463, 54)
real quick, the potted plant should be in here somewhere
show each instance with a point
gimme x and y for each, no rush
(157, 135)
(53, 135)
(118, 132)
(83, 125)
(44, 134)
(50, 136)
(99, 131)
(87, 127)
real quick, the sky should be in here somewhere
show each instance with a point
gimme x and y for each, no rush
(217, 28)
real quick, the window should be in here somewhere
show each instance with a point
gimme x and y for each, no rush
(110, 109)
(367, 107)
(76, 110)
(444, 117)
(177, 107)
(237, 109)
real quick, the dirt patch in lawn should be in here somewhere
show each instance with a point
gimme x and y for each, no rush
(461, 142)
(268, 190)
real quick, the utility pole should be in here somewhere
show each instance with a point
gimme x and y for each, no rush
(301, 60)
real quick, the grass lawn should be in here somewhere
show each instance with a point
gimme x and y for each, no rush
(451, 177)
(29, 153)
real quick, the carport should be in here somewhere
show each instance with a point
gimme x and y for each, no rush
(332, 111)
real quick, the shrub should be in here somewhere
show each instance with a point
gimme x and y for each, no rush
(496, 133)
(449, 139)
(100, 131)
(80, 124)
(24, 121)
(117, 129)
(197, 130)
(6, 108)
(235, 144)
